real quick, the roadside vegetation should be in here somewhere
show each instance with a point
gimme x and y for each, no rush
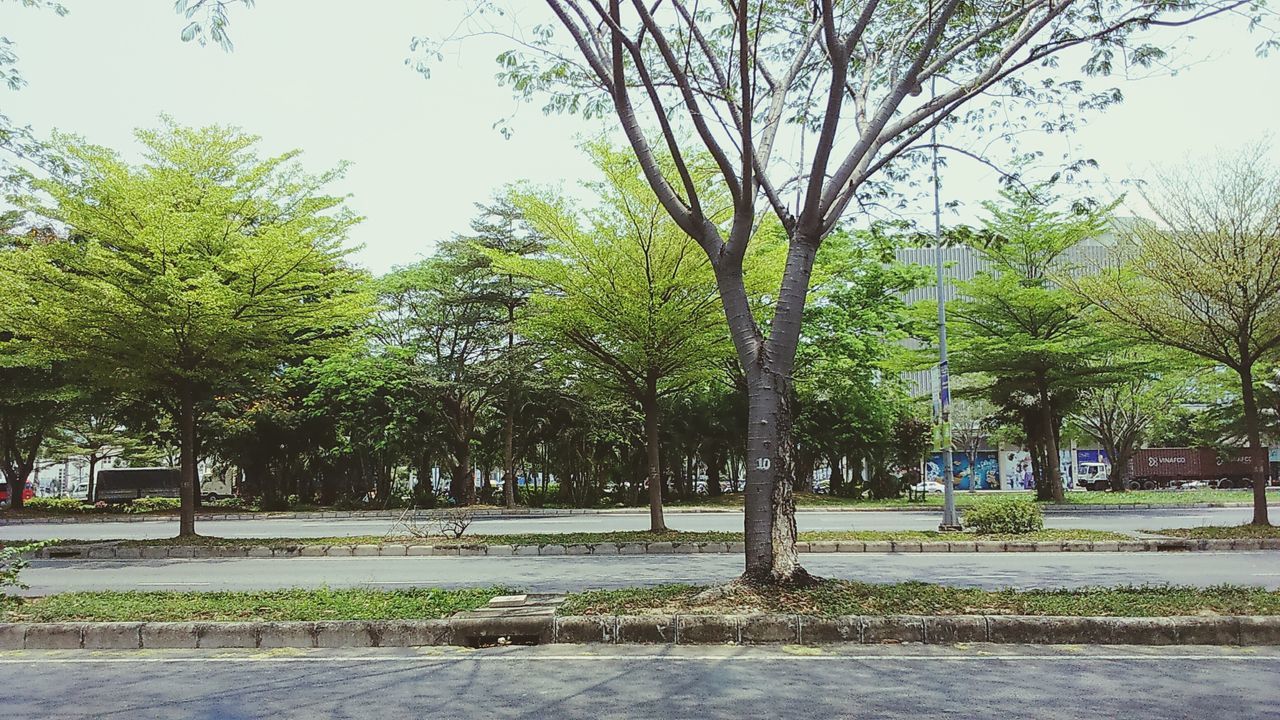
(841, 597)
(1223, 532)
(603, 538)
(309, 605)
(62, 507)
(827, 598)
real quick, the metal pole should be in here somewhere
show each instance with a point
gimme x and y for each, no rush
(950, 520)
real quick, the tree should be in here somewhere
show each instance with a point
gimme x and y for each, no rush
(840, 83)
(971, 418)
(626, 293)
(95, 433)
(1204, 275)
(36, 391)
(847, 395)
(741, 80)
(186, 274)
(1120, 414)
(500, 228)
(1031, 339)
(437, 315)
(34, 398)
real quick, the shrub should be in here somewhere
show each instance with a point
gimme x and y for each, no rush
(12, 562)
(56, 504)
(231, 503)
(152, 504)
(1005, 516)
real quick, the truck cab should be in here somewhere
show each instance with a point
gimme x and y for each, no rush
(1095, 475)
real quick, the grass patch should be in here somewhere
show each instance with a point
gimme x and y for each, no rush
(602, 538)
(309, 605)
(841, 597)
(1224, 532)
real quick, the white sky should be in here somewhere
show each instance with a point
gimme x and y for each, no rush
(328, 76)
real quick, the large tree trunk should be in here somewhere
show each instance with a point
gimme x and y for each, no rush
(835, 485)
(769, 503)
(1256, 448)
(19, 462)
(653, 458)
(187, 463)
(509, 457)
(462, 481)
(93, 465)
(714, 463)
(1053, 467)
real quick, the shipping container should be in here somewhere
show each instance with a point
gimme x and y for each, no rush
(125, 484)
(1153, 468)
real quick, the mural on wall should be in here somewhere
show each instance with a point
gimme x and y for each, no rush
(1015, 470)
(986, 469)
(1067, 468)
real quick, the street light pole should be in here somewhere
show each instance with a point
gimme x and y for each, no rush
(950, 521)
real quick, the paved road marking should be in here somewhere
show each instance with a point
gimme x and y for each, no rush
(479, 657)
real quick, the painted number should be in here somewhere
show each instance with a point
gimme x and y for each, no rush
(763, 464)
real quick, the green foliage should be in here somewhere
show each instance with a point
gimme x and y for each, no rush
(1006, 515)
(623, 292)
(1028, 345)
(848, 394)
(196, 273)
(1218, 532)
(283, 605)
(152, 504)
(58, 505)
(843, 597)
(12, 564)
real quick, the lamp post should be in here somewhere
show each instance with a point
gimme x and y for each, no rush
(950, 520)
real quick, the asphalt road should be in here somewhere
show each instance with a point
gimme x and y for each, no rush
(1114, 520)
(565, 682)
(567, 574)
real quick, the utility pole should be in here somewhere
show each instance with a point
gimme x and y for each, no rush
(950, 520)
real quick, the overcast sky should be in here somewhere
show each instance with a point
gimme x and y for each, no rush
(328, 76)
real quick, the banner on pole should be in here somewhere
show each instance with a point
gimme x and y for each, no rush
(944, 387)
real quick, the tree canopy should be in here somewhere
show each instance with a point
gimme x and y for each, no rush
(193, 273)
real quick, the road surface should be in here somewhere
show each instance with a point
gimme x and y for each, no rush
(567, 574)
(659, 683)
(1114, 520)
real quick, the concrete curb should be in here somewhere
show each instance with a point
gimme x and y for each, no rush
(557, 512)
(656, 629)
(109, 551)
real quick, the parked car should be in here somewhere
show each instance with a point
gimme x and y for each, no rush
(929, 486)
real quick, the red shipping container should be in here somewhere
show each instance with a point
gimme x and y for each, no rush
(1165, 465)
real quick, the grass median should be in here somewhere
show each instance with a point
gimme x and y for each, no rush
(828, 598)
(842, 597)
(309, 605)
(1223, 532)
(604, 538)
